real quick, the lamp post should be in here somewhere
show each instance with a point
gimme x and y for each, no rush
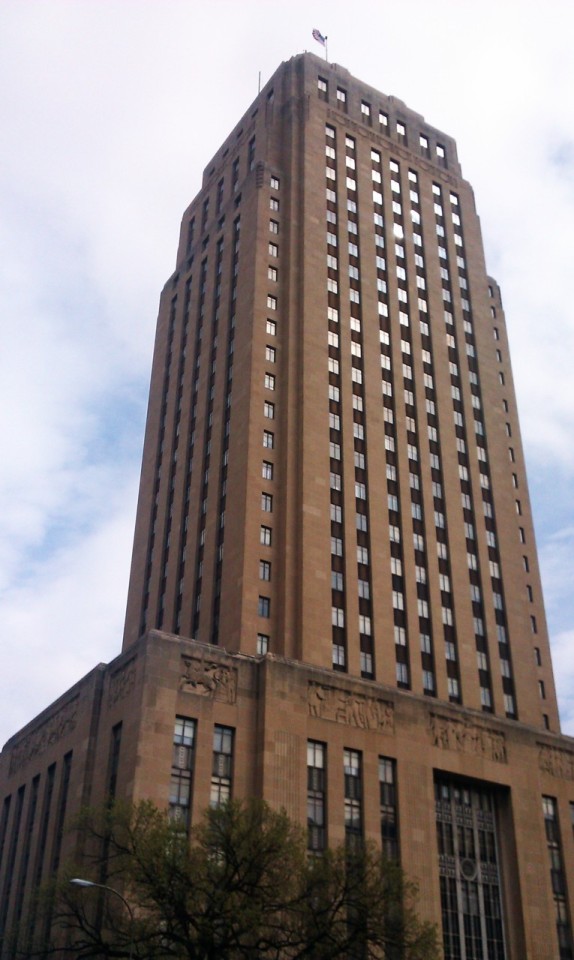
(79, 882)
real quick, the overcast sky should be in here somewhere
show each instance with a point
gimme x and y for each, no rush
(109, 110)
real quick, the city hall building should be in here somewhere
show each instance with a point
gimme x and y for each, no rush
(335, 601)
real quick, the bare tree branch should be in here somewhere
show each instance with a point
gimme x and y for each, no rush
(241, 887)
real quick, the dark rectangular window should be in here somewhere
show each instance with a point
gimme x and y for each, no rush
(353, 799)
(114, 760)
(11, 860)
(265, 536)
(182, 766)
(204, 213)
(388, 807)
(558, 878)
(4, 826)
(220, 195)
(27, 843)
(264, 607)
(262, 643)
(316, 795)
(43, 837)
(61, 811)
(190, 233)
(222, 769)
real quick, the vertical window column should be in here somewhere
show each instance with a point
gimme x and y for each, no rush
(270, 383)
(216, 313)
(388, 808)
(406, 343)
(432, 427)
(558, 878)
(27, 839)
(202, 513)
(171, 464)
(8, 878)
(482, 652)
(477, 442)
(38, 871)
(4, 825)
(366, 639)
(316, 796)
(352, 765)
(226, 430)
(451, 642)
(182, 766)
(338, 624)
(390, 438)
(151, 547)
(222, 768)
(182, 524)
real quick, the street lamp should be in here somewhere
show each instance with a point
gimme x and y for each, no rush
(79, 882)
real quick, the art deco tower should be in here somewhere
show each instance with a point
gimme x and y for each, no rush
(334, 601)
(333, 469)
(333, 476)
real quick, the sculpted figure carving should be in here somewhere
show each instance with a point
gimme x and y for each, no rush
(317, 698)
(209, 679)
(350, 709)
(449, 734)
(559, 763)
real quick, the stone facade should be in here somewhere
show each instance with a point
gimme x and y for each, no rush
(275, 706)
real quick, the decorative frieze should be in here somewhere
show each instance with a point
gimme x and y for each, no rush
(558, 763)
(351, 709)
(122, 683)
(467, 737)
(207, 678)
(36, 743)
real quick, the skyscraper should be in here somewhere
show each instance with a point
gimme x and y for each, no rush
(335, 600)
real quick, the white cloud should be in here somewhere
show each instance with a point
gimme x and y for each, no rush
(563, 661)
(67, 615)
(556, 550)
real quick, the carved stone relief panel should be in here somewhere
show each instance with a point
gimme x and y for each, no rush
(467, 737)
(122, 683)
(37, 742)
(208, 678)
(559, 763)
(351, 709)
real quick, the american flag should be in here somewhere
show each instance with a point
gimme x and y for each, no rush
(318, 36)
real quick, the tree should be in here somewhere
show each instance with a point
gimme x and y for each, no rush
(241, 887)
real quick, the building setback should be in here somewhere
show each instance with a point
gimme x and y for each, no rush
(335, 601)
